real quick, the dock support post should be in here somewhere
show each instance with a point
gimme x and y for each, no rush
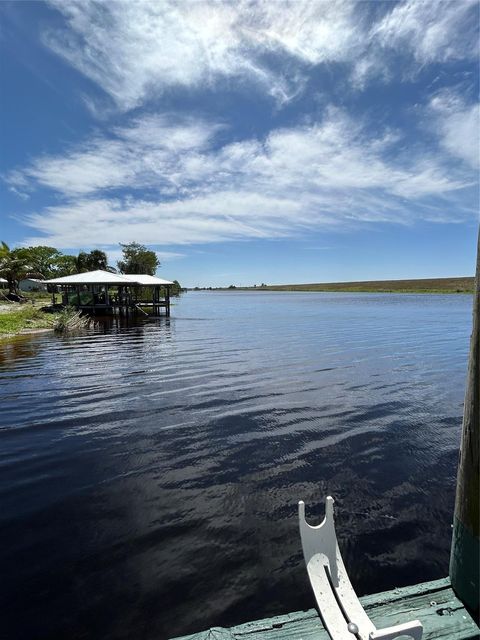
(465, 556)
(167, 300)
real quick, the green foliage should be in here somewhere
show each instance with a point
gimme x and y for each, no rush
(36, 296)
(41, 260)
(430, 285)
(13, 267)
(38, 262)
(69, 319)
(24, 317)
(92, 261)
(48, 262)
(176, 288)
(65, 265)
(138, 259)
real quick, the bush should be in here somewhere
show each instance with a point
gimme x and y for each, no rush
(69, 319)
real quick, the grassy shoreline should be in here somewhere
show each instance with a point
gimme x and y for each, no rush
(26, 318)
(424, 285)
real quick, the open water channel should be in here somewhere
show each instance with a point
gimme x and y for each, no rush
(150, 473)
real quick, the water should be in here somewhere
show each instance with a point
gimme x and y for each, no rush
(150, 474)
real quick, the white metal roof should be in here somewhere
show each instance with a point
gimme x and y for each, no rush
(90, 277)
(3, 280)
(145, 279)
(105, 277)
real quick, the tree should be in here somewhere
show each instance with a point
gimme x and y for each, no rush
(176, 288)
(138, 259)
(13, 266)
(92, 261)
(65, 265)
(41, 260)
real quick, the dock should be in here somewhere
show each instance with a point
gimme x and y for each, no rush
(106, 293)
(433, 603)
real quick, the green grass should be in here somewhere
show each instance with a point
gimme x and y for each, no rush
(37, 296)
(25, 317)
(430, 285)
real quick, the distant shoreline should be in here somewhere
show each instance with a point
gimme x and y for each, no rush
(423, 285)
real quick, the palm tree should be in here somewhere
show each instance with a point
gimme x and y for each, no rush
(92, 261)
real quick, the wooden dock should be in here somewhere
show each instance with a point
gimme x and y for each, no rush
(106, 293)
(433, 603)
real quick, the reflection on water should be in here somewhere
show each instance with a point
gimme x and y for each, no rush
(19, 348)
(150, 473)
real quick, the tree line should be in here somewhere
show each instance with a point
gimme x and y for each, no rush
(46, 263)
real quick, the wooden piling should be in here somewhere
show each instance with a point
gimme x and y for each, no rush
(465, 551)
(167, 301)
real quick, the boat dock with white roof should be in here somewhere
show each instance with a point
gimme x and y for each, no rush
(109, 293)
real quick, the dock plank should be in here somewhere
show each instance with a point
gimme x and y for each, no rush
(433, 603)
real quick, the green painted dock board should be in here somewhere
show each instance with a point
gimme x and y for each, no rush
(433, 603)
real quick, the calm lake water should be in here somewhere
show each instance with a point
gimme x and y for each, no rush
(150, 474)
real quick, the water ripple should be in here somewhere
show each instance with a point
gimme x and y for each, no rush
(150, 472)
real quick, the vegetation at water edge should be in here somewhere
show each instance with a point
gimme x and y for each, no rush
(424, 285)
(45, 263)
(70, 320)
(22, 318)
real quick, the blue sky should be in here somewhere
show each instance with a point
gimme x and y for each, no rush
(245, 142)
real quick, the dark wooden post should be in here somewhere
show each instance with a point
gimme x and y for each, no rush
(167, 300)
(465, 556)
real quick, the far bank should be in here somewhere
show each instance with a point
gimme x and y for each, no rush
(424, 285)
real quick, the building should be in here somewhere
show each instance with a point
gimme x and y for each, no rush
(113, 293)
(32, 284)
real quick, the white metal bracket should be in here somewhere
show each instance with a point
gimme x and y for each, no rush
(341, 611)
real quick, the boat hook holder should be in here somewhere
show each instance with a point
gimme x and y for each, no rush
(340, 609)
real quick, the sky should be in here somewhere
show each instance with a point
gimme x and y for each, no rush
(245, 142)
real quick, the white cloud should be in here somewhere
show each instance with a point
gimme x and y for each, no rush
(134, 50)
(20, 194)
(143, 154)
(416, 33)
(371, 65)
(329, 174)
(432, 30)
(458, 125)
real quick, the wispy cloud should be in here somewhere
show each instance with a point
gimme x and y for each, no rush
(135, 51)
(433, 31)
(165, 178)
(458, 124)
(416, 33)
(20, 194)
(142, 154)
(326, 175)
